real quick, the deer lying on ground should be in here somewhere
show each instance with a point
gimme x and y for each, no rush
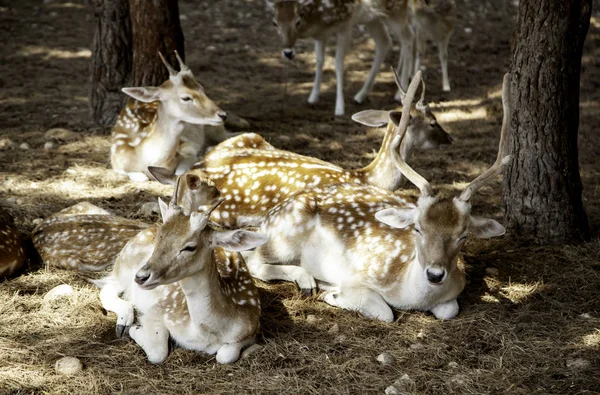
(187, 285)
(12, 251)
(85, 237)
(253, 180)
(148, 130)
(369, 249)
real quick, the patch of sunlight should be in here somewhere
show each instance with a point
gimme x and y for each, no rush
(489, 299)
(68, 5)
(518, 292)
(49, 53)
(595, 22)
(589, 104)
(457, 103)
(82, 99)
(14, 100)
(462, 115)
(497, 94)
(592, 340)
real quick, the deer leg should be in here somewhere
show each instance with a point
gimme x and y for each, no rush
(383, 43)
(153, 337)
(445, 311)
(443, 53)
(421, 48)
(406, 59)
(343, 38)
(365, 301)
(109, 296)
(320, 54)
(137, 176)
(229, 353)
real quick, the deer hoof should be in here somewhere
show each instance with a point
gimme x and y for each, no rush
(120, 331)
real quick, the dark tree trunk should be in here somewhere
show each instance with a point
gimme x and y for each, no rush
(542, 188)
(156, 27)
(111, 59)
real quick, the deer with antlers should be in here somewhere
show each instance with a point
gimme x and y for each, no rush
(253, 180)
(148, 130)
(370, 249)
(85, 237)
(188, 282)
(13, 256)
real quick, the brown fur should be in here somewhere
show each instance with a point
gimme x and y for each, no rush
(12, 251)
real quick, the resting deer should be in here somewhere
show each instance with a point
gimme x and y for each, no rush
(434, 20)
(12, 251)
(319, 19)
(254, 180)
(187, 285)
(85, 237)
(148, 130)
(370, 249)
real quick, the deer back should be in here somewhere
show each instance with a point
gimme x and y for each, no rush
(13, 255)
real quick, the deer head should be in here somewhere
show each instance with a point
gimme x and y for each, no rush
(441, 226)
(183, 245)
(181, 96)
(288, 22)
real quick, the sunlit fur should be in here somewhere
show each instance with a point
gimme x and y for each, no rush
(13, 256)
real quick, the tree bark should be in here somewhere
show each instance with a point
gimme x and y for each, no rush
(111, 59)
(542, 188)
(156, 27)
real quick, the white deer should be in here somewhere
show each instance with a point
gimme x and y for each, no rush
(187, 285)
(370, 249)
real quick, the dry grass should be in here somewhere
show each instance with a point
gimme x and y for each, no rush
(531, 326)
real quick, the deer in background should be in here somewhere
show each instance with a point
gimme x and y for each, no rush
(85, 237)
(370, 249)
(13, 256)
(253, 180)
(188, 285)
(148, 130)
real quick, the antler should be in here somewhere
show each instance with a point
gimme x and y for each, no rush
(199, 220)
(422, 104)
(174, 198)
(501, 159)
(172, 71)
(182, 66)
(404, 168)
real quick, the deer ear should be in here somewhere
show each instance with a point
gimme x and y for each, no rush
(237, 240)
(146, 94)
(193, 181)
(483, 228)
(372, 118)
(397, 217)
(164, 210)
(162, 175)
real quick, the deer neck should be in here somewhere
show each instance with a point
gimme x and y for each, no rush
(382, 172)
(163, 138)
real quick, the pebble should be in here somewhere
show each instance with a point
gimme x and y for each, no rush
(585, 316)
(5, 143)
(492, 271)
(48, 145)
(404, 384)
(68, 366)
(311, 318)
(391, 390)
(253, 349)
(211, 48)
(183, 17)
(386, 358)
(24, 146)
(468, 30)
(452, 365)
(58, 292)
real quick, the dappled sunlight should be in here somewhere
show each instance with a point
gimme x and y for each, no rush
(462, 115)
(52, 53)
(519, 292)
(592, 340)
(595, 22)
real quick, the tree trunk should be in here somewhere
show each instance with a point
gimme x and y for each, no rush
(542, 188)
(111, 59)
(156, 27)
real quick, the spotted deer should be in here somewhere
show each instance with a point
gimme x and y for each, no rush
(370, 249)
(189, 283)
(319, 19)
(13, 256)
(85, 237)
(148, 130)
(253, 180)
(434, 20)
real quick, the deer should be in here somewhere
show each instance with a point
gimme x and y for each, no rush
(13, 256)
(85, 237)
(149, 129)
(434, 20)
(369, 249)
(189, 282)
(319, 19)
(253, 180)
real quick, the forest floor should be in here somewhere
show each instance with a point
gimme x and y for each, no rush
(530, 316)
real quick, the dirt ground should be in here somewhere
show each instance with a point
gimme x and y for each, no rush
(530, 316)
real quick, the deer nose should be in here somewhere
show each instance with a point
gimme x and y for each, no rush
(222, 114)
(142, 276)
(435, 275)
(289, 53)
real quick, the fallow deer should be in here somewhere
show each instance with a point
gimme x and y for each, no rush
(370, 249)
(253, 180)
(13, 256)
(319, 19)
(148, 130)
(187, 285)
(85, 237)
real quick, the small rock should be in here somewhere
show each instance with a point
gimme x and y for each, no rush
(24, 146)
(492, 271)
(183, 17)
(420, 335)
(149, 209)
(585, 316)
(251, 350)
(416, 346)
(386, 358)
(391, 390)
(60, 134)
(578, 363)
(211, 48)
(58, 292)
(5, 143)
(48, 145)
(452, 365)
(19, 202)
(335, 328)
(311, 318)
(404, 384)
(468, 30)
(68, 366)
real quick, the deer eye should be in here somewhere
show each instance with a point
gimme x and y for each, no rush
(417, 231)
(186, 98)
(462, 239)
(189, 248)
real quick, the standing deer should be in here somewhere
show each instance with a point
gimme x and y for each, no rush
(85, 237)
(148, 129)
(187, 285)
(12, 251)
(370, 249)
(253, 180)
